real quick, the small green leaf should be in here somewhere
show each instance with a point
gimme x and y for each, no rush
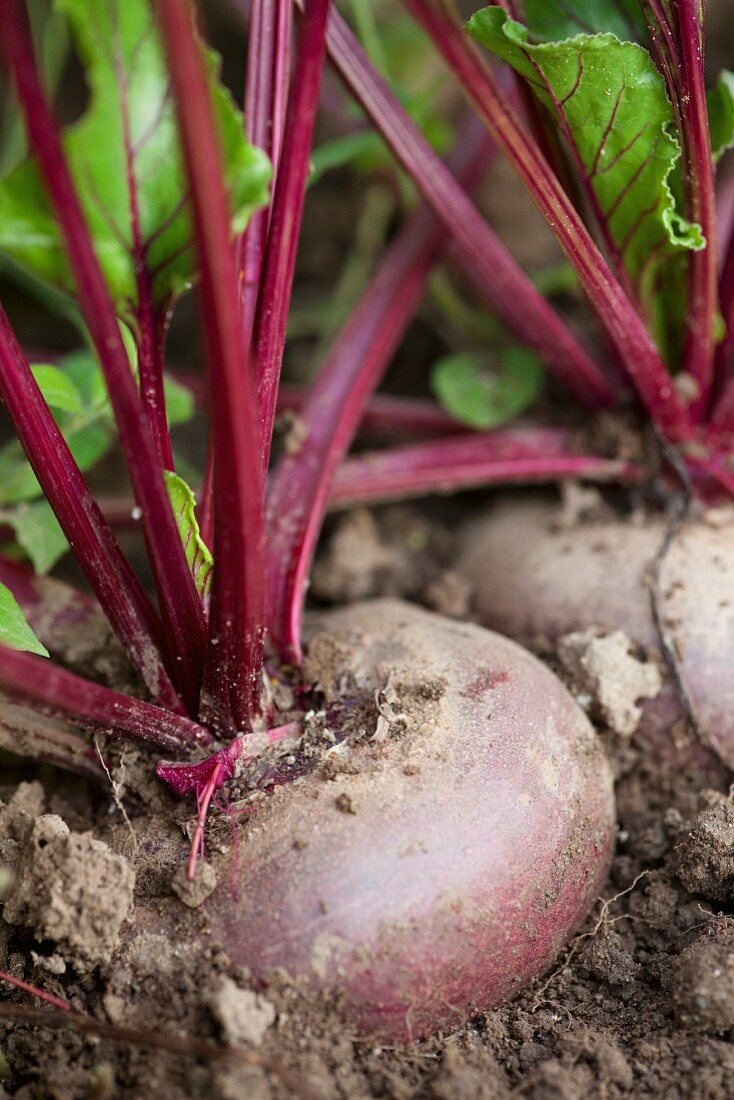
(610, 103)
(58, 389)
(341, 151)
(124, 62)
(180, 403)
(76, 392)
(198, 554)
(721, 114)
(553, 20)
(484, 398)
(38, 533)
(14, 629)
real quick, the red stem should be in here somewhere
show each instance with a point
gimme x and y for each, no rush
(268, 71)
(444, 466)
(335, 406)
(35, 682)
(626, 330)
(149, 339)
(181, 609)
(385, 415)
(50, 998)
(235, 651)
(722, 417)
(26, 733)
(485, 260)
(185, 778)
(122, 598)
(285, 219)
(698, 358)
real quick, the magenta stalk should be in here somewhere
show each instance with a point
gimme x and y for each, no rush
(266, 96)
(35, 682)
(446, 465)
(150, 334)
(336, 402)
(235, 649)
(698, 358)
(286, 216)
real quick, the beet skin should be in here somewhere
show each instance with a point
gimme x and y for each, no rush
(536, 583)
(439, 861)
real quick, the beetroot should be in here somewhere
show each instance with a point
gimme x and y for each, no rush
(537, 582)
(441, 862)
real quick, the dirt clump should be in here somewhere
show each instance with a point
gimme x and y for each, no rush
(69, 888)
(609, 677)
(243, 1016)
(193, 891)
(705, 857)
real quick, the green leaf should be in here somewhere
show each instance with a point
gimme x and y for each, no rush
(198, 554)
(180, 403)
(77, 395)
(341, 151)
(58, 389)
(124, 62)
(484, 398)
(553, 20)
(610, 102)
(721, 114)
(14, 630)
(38, 533)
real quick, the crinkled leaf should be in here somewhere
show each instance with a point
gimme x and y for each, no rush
(721, 113)
(553, 20)
(198, 554)
(14, 630)
(37, 532)
(484, 398)
(125, 66)
(611, 103)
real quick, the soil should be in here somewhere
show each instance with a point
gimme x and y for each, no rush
(641, 1003)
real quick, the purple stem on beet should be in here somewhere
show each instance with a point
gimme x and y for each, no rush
(266, 97)
(385, 415)
(485, 260)
(27, 733)
(231, 695)
(722, 416)
(622, 323)
(286, 216)
(151, 326)
(698, 357)
(119, 592)
(181, 610)
(336, 402)
(35, 682)
(446, 465)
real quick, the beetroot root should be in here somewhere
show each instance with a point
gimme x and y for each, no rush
(440, 858)
(536, 582)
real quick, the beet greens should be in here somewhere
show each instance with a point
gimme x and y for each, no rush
(163, 182)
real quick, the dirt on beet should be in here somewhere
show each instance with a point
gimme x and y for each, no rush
(641, 1004)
